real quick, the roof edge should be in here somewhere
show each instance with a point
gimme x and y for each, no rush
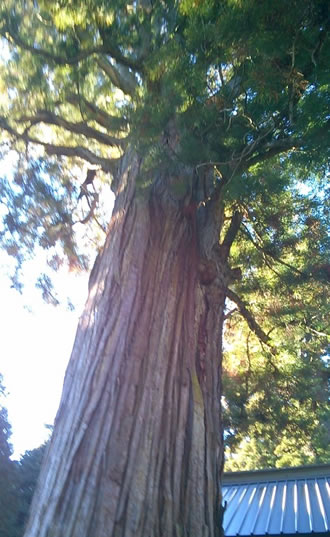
(270, 474)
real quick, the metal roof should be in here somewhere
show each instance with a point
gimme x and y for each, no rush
(277, 502)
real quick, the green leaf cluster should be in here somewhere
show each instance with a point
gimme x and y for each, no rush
(39, 200)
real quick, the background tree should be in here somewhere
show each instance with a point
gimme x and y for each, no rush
(28, 469)
(18, 479)
(277, 399)
(191, 110)
(8, 475)
(276, 410)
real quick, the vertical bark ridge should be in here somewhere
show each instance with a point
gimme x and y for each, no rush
(140, 454)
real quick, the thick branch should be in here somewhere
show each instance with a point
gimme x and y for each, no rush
(230, 313)
(92, 206)
(112, 50)
(6, 127)
(120, 76)
(8, 34)
(231, 233)
(231, 89)
(44, 116)
(248, 316)
(234, 86)
(245, 159)
(106, 164)
(271, 150)
(60, 60)
(318, 333)
(109, 122)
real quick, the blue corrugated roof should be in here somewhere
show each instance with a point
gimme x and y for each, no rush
(277, 502)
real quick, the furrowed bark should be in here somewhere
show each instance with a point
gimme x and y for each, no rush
(137, 446)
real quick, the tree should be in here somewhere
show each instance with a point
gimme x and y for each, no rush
(28, 469)
(18, 479)
(271, 397)
(7, 475)
(186, 107)
(270, 402)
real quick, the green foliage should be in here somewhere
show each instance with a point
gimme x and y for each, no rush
(18, 479)
(8, 475)
(238, 90)
(277, 399)
(36, 194)
(276, 409)
(28, 472)
(239, 82)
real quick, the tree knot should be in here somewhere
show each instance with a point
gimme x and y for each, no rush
(207, 270)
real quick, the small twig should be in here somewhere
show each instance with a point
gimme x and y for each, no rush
(221, 75)
(92, 207)
(321, 334)
(230, 313)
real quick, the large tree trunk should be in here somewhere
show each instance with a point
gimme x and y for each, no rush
(137, 445)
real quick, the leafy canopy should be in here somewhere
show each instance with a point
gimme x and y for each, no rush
(238, 92)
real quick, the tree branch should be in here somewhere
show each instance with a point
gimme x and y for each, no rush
(232, 231)
(120, 76)
(60, 60)
(261, 249)
(107, 48)
(44, 116)
(6, 127)
(92, 207)
(243, 161)
(248, 316)
(106, 164)
(321, 334)
(109, 122)
(271, 150)
(230, 89)
(112, 50)
(230, 313)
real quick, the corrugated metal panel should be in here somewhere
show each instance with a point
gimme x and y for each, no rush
(275, 507)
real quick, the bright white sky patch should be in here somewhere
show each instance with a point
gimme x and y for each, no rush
(35, 349)
(36, 339)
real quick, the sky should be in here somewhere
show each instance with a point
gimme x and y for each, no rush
(36, 340)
